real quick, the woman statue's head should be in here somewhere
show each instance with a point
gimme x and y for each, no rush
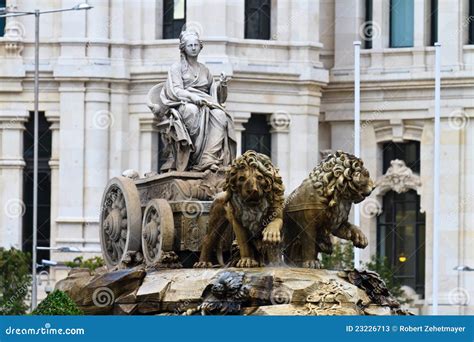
(190, 44)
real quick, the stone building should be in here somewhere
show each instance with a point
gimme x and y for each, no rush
(291, 96)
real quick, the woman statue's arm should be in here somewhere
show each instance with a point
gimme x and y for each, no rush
(178, 87)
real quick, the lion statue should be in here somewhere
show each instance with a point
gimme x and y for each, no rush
(252, 204)
(320, 207)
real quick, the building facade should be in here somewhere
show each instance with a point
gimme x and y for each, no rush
(291, 96)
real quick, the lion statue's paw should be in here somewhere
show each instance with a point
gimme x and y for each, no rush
(358, 238)
(247, 262)
(271, 234)
(311, 264)
(203, 264)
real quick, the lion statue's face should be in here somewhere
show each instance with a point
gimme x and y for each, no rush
(251, 185)
(253, 178)
(342, 176)
(361, 186)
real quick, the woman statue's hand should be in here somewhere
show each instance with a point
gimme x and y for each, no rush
(196, 99)
(224, 79)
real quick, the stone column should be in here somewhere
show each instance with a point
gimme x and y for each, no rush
(209, 23)
(12, 207)
(280, 123)
(421, 32)
(240, 118)
(349, 17)
(120, 133)
(149, 138)
(71, 164)
(304, 21)
(380, 32)
(235, 10)
(98, 122)
(98, 24)
(133, 23)
(450, 24)
(73, 31)
(53, 119)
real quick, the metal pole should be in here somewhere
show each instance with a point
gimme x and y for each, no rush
(356, 133)
(437, 130)
(34, 289)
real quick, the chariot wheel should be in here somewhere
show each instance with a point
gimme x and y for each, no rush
(120, 220)
(157, 230)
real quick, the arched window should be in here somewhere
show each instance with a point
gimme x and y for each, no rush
(401, 224)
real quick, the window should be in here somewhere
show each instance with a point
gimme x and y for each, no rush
(433, 22)
(401, 238)
(401, 225)
(367, 28)
(44, 185)
(256, 135)
(471, 22)
(257, 19)
(174, 18)
(409, 152)
(401, 23)
(3, 3)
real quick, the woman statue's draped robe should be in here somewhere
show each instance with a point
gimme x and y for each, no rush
(201, 137)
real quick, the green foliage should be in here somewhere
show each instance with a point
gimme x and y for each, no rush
(341, 258)
(57, 303)
(15, 280)
(92, 263)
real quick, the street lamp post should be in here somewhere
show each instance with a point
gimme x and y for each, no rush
(5, 13)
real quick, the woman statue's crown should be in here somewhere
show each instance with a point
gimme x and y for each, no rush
(187, 34)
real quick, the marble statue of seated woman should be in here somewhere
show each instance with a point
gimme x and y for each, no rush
(199, 133)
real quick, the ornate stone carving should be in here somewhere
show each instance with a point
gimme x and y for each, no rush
(280, 121)
(14, 33)
(399, 178)
(224, 295)
(157, 231)
(120, 220)
(320, 207)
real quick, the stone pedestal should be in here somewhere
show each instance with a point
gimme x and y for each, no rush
(254, 291)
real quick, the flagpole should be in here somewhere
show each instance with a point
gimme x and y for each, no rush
(436, 176)
(356, 133)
